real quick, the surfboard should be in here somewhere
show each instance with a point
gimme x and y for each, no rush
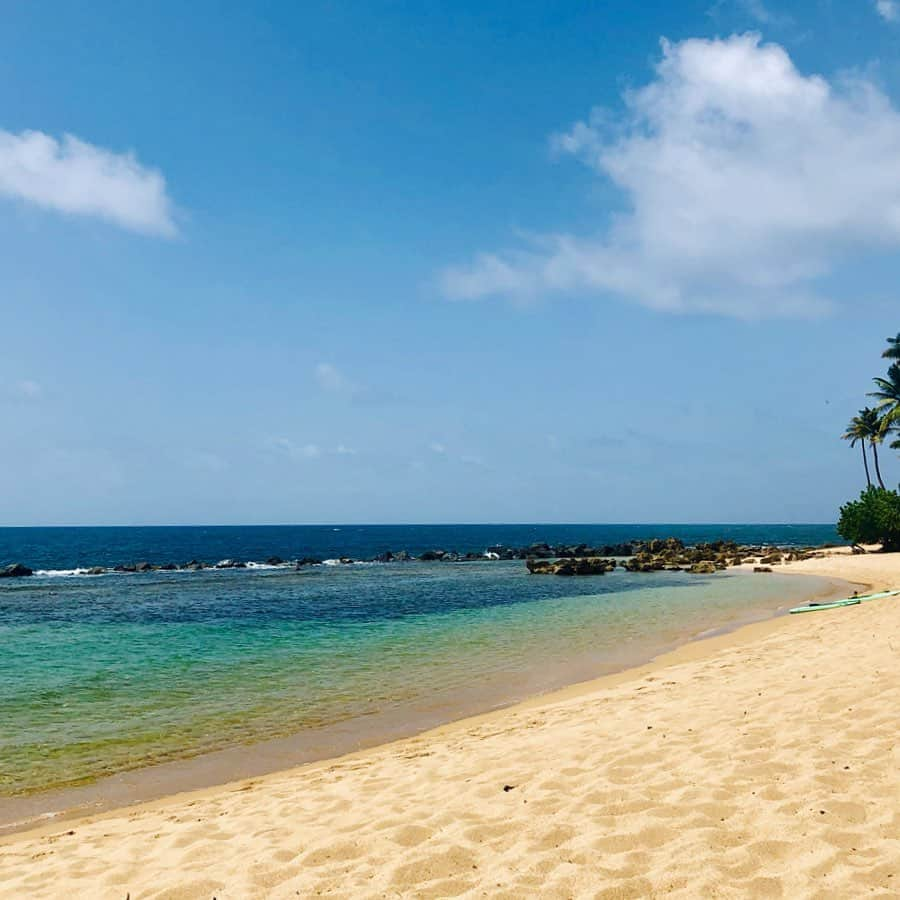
(835, 604)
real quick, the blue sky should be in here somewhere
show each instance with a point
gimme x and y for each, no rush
(389, 262)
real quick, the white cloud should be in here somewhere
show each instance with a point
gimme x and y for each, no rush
(31, 390)
(437, 447)
(330, 378)
(746, 181)
(759, 12)
(295, 451)
(205, 461)
(71, 176)
(344, 450)
(889, 10)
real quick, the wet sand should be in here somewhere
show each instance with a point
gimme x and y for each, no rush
(758, 763)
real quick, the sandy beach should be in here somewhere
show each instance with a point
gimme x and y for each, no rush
(759, 763)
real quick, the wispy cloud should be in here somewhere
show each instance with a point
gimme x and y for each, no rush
(301, 452)
(28, 389)
(205, 461)
(330, 378)
(293, 450)
(889, 10)
(757, 10)
(437, 447)
(73, 177)
(727, 160)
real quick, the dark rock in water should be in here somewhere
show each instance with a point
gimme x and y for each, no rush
(385, 557)
(540, 551)
(570, 566)
(645, 562)
(657, 546)
(402, 556)
(761, 569)
(167, 567)
(231, 564)
(274, 561)
(125, 567)
(308, 561)
(16, 570)
(143, 567)
(500, 552)
(195, 565)
(432, 555)
(95, 570)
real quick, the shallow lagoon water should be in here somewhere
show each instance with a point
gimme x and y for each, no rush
(104, 674)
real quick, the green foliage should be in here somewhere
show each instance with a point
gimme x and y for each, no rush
(873, 519)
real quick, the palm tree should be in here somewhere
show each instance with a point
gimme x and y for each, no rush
(857, 433)
(877, 427)
(888, 396)
(893, 350)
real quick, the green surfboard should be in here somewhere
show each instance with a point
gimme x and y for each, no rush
(835, 604)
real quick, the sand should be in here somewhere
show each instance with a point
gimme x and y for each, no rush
(764, 763)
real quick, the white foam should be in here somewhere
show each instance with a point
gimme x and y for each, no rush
(60, 573)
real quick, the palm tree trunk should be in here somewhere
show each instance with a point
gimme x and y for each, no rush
(877, 469)
(866, 464)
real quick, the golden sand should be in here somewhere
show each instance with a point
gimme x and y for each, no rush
(764, 763)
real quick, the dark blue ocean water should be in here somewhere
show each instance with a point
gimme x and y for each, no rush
(68, 548)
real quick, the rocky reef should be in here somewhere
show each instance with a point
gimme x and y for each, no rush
(655, 555)
(585, 565)
(671, 555)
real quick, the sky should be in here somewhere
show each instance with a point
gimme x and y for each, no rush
(333, 262)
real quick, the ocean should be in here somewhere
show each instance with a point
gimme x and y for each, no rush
(111, 674)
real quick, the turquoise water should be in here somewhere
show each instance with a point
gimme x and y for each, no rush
(104, 674)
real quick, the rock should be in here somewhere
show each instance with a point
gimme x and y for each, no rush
(95, 570)
(706, 567)
(167, 567)
(142, 567)
(570, 566)
(195, 565)
(125, 567)
(15, 570)
(761, 569)
(540, 551)
(385, 557)
(230, 564)
(308, 561)
(432, 555)
(402, 556)
(274, 561)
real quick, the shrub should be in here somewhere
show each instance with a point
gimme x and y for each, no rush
(873, 519)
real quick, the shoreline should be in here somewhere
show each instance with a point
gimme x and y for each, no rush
(238, 763)
(761, 760)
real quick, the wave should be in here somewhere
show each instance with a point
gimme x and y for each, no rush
(63, 573)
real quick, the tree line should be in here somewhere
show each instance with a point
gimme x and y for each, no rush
(875, 517)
